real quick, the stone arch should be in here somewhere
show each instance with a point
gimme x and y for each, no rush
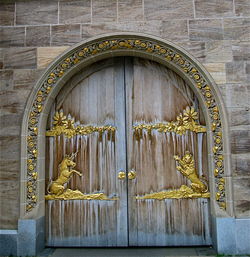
(122, 44)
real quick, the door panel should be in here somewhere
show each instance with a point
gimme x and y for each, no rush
(123, 93)
(156, 94)
(96, 100)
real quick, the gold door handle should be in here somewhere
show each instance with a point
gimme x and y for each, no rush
(132, 175)
(122, 175)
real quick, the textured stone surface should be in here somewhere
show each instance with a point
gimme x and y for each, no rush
(9, 190)
(218, 72)
(11, 146)
(239, 115)
(205, 30)
(45, 55)
(225, 228)
(7, 13)
(218, 51)
(242, 208)
(74, 11)
(242, 7)
(241, 188)
(168, 9)
(6, 80)
(130, 10)
(236, 96)
(236, 72)
(240, 141)
(155, 27)
(65, 34)
(241, 164)
(104, 10)
(176, 30)
(36, 12)
(197, 49)
(31, 235)
(1, 58)
(26, 79)
(10, 170)
(8, 239)
(243, 236)
(241, 51)
(12, 36)
(213, 8)
(38, 36)
(237, 29)
(20, 58)
(10, 124)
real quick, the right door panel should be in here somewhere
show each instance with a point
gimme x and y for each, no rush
(155, 96)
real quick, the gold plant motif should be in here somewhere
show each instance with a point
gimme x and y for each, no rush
(57, 190)
(197, 189)
(66, 126)
(184, 122)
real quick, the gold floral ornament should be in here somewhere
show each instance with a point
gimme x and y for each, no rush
(184, 122)
(197, 189)
(67, 126)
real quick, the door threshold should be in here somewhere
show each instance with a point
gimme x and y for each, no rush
(128, 252)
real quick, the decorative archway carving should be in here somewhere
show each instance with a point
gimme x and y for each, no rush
(105, 46)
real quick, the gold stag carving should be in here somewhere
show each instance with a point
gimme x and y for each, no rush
(197, 189)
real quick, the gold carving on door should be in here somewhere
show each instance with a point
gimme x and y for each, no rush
(197, 189)
(66, 125)
(57, 191)
(185, 121)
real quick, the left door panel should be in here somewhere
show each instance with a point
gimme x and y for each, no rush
(87, 126)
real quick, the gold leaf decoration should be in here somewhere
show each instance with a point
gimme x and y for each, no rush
(66, 126)
(184, 122)
(197, 189)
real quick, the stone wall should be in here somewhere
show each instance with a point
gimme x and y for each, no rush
(33, 33)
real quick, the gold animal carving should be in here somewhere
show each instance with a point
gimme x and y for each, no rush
(187, 168)
(197, 189)
(57, 189)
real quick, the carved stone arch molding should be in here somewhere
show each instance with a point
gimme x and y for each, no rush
(122, 44)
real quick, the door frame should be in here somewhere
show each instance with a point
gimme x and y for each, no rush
(32, 184)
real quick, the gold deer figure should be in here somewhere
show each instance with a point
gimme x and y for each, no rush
(187, 168)
(57, 187)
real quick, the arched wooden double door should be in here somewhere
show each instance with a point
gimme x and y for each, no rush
(131, 127)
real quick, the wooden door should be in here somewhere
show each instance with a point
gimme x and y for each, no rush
(92, 210)
(155, 97)
(133, 190)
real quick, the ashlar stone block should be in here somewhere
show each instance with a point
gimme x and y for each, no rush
(38, 12)
(130, 10)
(205, 30)
(213, 8)
(237, 28)
(74, 11)
(38, 36)
(12, 36)
(7, 12)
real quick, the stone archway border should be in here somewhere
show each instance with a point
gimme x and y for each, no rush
(123, 44)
